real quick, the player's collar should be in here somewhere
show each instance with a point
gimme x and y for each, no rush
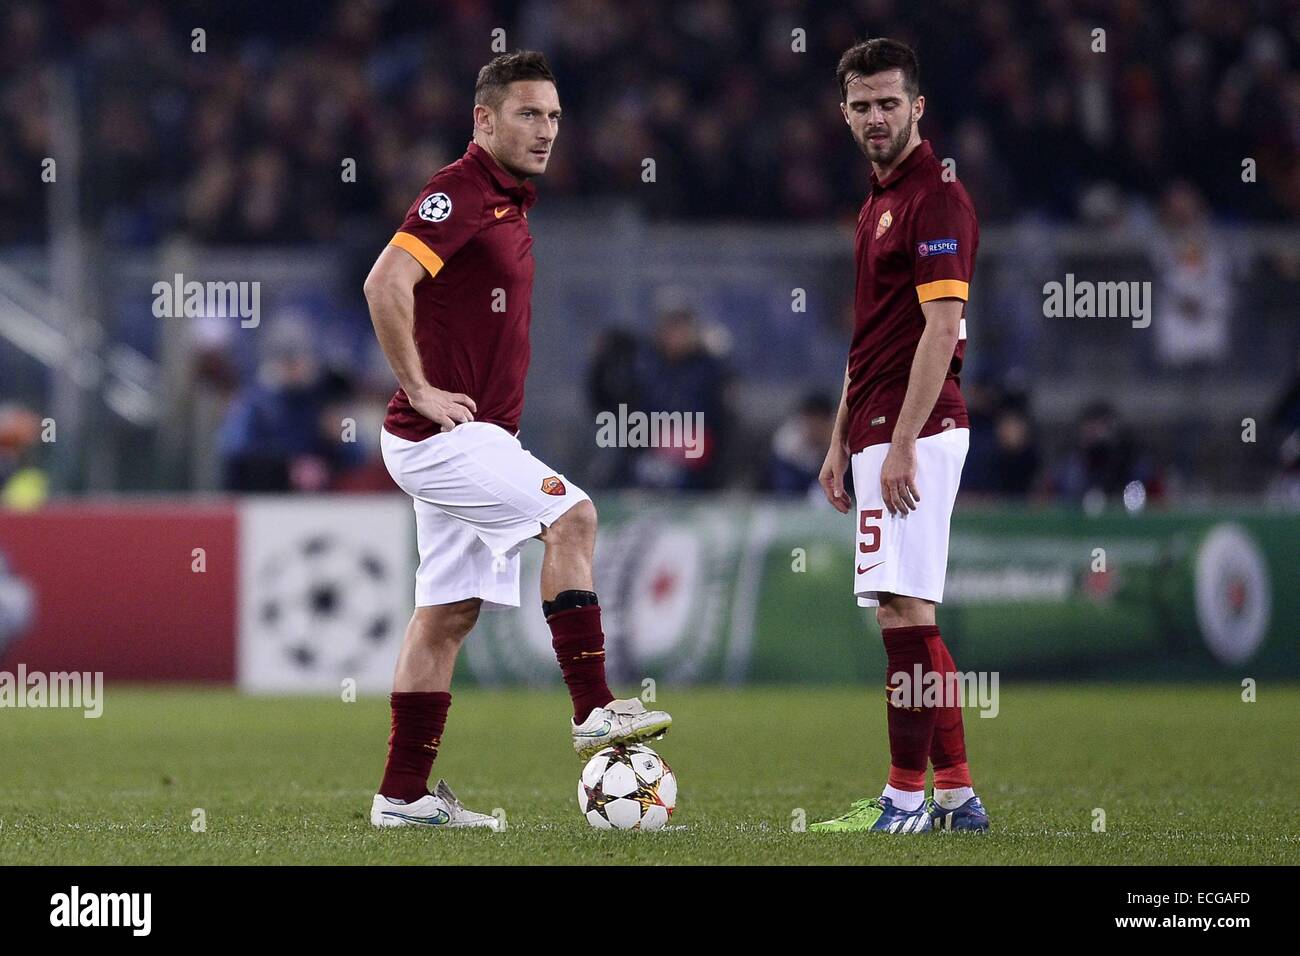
(914, 159)
(523, 192)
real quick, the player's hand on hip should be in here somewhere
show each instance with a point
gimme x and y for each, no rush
(898, 478)
(832, 475)
(446, 409)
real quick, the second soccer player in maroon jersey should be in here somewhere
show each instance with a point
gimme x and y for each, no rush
(903, 430)
(451, 300)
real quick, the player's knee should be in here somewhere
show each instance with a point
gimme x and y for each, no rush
(901, 611)
(462, 617)
(575, 526)
(442, 623)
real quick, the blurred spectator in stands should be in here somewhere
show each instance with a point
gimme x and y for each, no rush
(983, 173)
(356, 415)
(799, 447)
(683, 374)
(23, 485)
(1194, 269)
(1017, 451)
(1004, 458)
(979, 473)
(1286, 414)
(1106, 459)
(1285, 486)
(274, 435)
(612, 381)
(26, 52)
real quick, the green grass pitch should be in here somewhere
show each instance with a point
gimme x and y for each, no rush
(1184, 774)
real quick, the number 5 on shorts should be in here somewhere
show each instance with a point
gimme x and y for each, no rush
(869, 531)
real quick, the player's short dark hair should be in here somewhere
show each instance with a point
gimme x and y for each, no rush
(497, 75)
(876, 56)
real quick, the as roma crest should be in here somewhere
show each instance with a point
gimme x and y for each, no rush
(886, 219)
(553, 486)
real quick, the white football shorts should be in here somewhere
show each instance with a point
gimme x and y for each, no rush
(907, 554)
(478, 496)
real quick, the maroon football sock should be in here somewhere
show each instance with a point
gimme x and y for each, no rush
(911, 726)
(948, 747)
(418, 721)
(580, 648)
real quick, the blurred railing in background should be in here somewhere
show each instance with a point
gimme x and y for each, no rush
(139, 400)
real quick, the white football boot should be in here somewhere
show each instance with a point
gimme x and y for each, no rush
(618, 722)
(438, 809)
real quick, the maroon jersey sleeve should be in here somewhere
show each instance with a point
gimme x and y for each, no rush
(446, 215)
(944, 237)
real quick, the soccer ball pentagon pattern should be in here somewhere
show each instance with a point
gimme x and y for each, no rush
(627, 788)
(325, 602)
(436, 208)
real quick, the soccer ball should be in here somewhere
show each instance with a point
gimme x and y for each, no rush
(627, 788)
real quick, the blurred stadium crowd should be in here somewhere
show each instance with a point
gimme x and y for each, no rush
(242, 144)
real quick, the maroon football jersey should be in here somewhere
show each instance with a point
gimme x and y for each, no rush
(469, 229)
(915, 241)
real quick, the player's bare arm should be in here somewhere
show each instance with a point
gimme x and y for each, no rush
(837, 456)
(390, 292)
(929, 368)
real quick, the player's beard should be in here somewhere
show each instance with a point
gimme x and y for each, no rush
(516, 168)
(507, 161)
(892, 149)
(513, 169)
(519, 174)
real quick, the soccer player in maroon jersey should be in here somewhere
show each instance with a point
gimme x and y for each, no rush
(451, 298)
(902, 427)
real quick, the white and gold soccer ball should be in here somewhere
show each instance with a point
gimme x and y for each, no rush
(627, 788)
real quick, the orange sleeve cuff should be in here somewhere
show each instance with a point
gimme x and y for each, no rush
(418, 251)
(943, 289)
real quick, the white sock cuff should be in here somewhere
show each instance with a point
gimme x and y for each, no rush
(908, 800)
(954, 798)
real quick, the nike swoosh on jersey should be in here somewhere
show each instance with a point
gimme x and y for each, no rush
(865, 570)
(501, 211)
